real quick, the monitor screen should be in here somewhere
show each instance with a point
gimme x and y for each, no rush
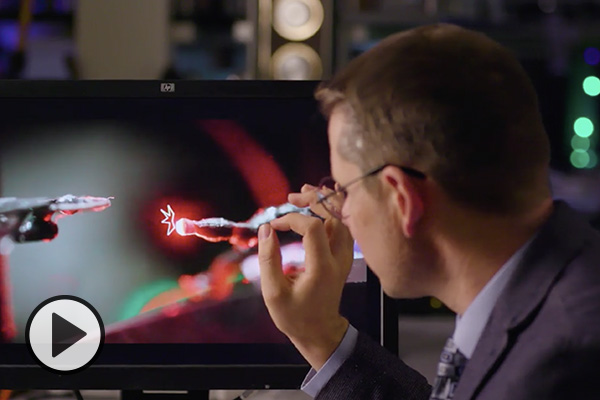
(206, 150)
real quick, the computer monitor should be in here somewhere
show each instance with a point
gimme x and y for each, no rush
(179, 312)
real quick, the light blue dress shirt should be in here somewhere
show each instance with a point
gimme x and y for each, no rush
(467, 331)
(469, 326)
(315, 381)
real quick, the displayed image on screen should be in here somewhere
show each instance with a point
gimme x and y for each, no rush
(202, 158)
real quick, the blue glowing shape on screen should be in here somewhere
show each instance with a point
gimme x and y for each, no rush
(591, 55)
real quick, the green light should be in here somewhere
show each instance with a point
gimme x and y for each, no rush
(580, 143)
(236, 278)
(583, 127)
(580, 158)
(435, 303)
(593, 159)
(591, 86)
(138, 299)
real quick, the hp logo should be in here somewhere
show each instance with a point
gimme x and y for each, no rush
(167, 87)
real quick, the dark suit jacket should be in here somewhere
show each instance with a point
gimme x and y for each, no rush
(542, 340)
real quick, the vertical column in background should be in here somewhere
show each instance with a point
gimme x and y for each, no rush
(582, 107)
(122, 39)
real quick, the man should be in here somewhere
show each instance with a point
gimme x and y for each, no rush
(441, 160)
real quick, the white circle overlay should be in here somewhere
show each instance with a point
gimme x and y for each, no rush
(81, 352)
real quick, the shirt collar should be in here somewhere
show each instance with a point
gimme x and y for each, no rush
(470, 325)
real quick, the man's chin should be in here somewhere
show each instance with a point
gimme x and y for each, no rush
(393, 292)
(401, 293)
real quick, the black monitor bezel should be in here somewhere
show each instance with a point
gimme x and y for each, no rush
(137, 376)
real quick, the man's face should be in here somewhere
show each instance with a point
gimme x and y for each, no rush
(374, 221)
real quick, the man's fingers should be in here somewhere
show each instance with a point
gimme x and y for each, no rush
(315, 234)
(299, 199)
(314, 237)
(272, 279)
(309, 197)
(305, 198)
(340, 242)
(306, 188)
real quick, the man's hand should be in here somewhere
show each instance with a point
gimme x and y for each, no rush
(306, 308)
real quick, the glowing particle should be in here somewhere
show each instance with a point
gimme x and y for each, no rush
(580, 143)
(239, 234)
(435, 303)
(583, 127)
(591, 86)
(591, 55)
(580, 158)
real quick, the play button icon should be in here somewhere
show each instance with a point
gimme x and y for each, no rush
(64, 334)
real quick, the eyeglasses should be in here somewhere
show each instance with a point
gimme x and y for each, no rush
(334, 201)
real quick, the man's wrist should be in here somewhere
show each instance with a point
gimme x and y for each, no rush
(318, 348)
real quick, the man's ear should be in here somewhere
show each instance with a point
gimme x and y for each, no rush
(407, 196)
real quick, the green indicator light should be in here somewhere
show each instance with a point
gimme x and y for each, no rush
(435, 303)
(583, 127)
(580, 158)
(580, 143)
(591, 86)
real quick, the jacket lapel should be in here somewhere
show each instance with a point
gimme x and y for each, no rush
(559, 240)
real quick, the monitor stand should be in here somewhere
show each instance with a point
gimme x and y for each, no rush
(164, 394)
